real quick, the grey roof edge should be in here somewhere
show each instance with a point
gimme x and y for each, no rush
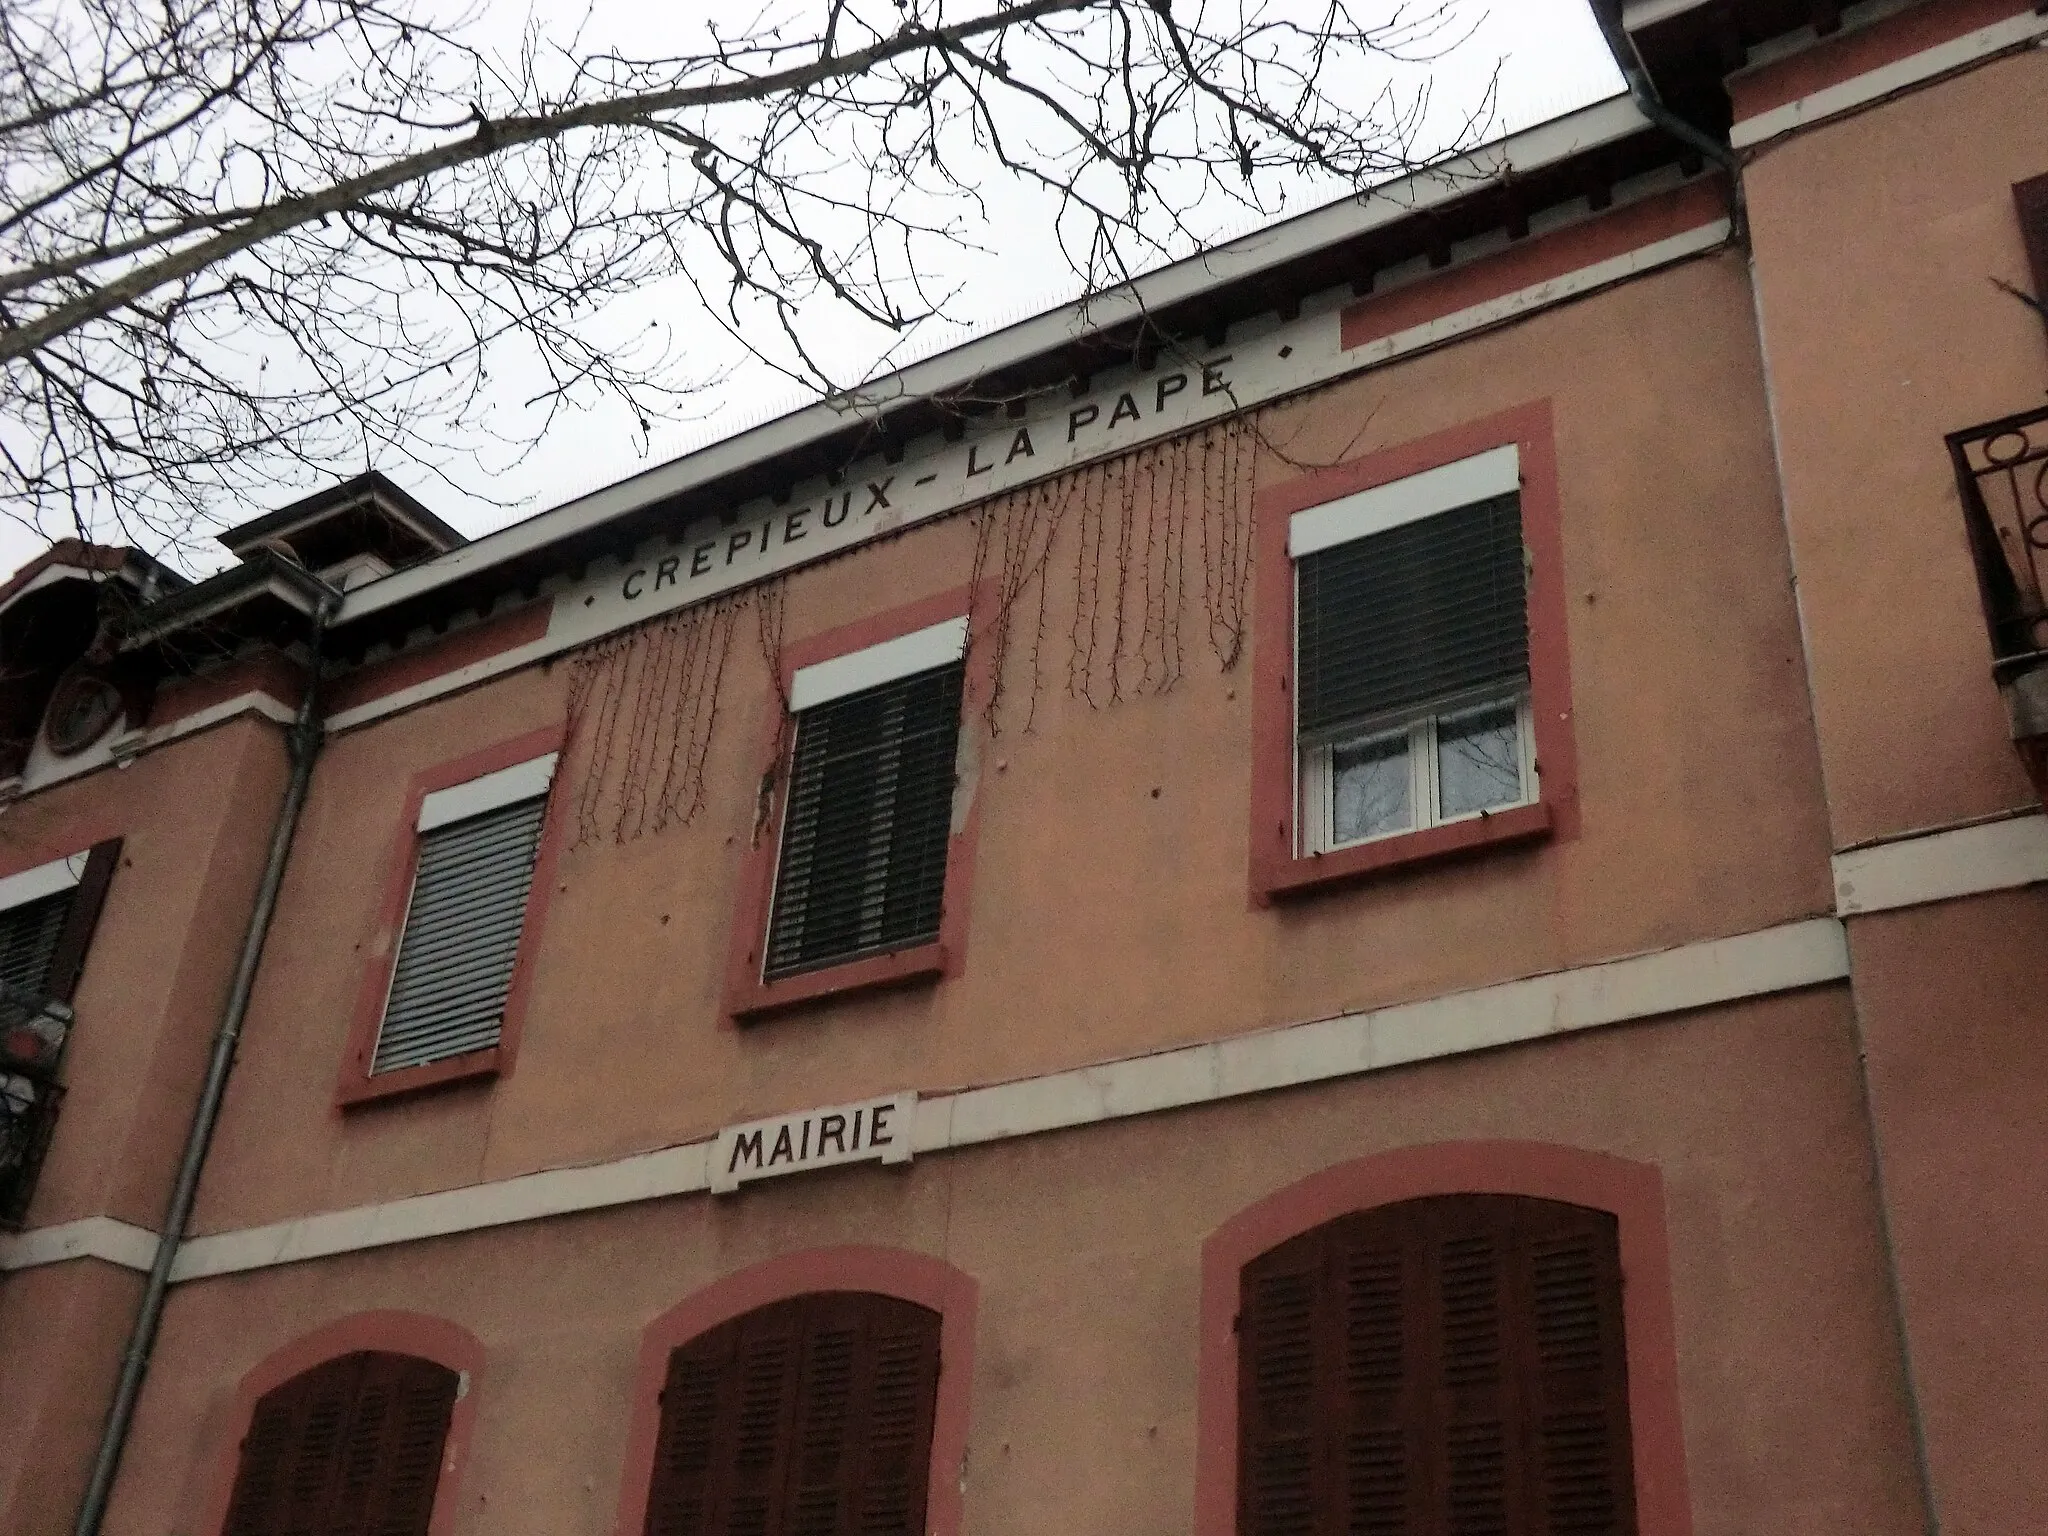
(1558, 139)
(371, 483)
(263, 572)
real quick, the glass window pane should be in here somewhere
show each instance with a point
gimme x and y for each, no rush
(1369, 782)
(1479, 760)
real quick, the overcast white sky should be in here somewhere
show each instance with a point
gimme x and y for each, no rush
(1550, 60)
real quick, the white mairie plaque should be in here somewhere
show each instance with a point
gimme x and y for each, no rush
(872, 1131)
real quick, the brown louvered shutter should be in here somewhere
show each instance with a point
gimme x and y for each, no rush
(808, 1417)
(67, 960)
(1481, 1453)
(1585, 1471)
(1278, 1412)
(349, 1448)
(1443, 1367)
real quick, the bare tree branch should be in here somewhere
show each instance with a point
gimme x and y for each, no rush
(244, 242)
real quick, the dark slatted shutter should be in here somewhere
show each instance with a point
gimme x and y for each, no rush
(43, 942)
(1423, 611)
(1280, 1418)
(1441, 1367)
(810, 1417)
(28, 940)
(1580, 1375)
(461, 937)
(1480, 1449)
(2031, 198)
(42, 953)
(863, 863)
(349, 1448)
(82, 916)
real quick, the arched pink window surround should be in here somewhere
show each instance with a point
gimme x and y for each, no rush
(398, 1333)
(907, 1276)
(1632, 1192)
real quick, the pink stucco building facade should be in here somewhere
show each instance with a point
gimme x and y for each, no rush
(1495, 719)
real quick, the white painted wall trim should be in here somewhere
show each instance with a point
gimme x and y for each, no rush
(1643, 986)
(905, 656)
(401, 699)
(1889, 79)
(90, 1237)
(1443, 489)
(18, 890)
(1539, 296)
(1939, 866)
(251, 703)
(1801, 954)
(487, 792)
(121, 750)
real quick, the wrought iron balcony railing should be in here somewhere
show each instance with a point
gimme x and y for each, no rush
(2002, 472)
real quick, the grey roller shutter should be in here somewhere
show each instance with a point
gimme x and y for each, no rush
(461, 937)
(1424, 611)
(863, 863)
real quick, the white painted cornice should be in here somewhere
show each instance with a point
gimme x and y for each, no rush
(1639, 987)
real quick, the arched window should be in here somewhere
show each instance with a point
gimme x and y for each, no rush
(1447, 1366)
(351, 1447)
(806, 1417)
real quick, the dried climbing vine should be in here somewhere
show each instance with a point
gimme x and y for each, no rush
(643, 712)
(1124, 534)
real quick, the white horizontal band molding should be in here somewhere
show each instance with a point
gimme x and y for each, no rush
(1558, 290)
(1802, 954)
(253, 702)
(680, 1170)
(1889, 79)
(18, 890)
(126, 748)
(90, 1237)
(1317, 359)
(905, 656)
(1940, 866)
(487, 792)
(1604, 122)
(401, 699)
(1365, 513)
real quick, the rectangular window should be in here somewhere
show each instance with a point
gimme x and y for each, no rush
(28, 940)
(862, 869)
(47, 916)
(1412, 655)
(477, 846)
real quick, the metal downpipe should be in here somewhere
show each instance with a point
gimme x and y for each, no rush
(1644, 92)
(303, 742)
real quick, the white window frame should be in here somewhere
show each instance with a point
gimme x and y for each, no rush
(529, 780)
(1361, 515)
(1316, 784)
(823, 682)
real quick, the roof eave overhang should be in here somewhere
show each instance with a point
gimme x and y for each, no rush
(395, 501)
(264, 578)
(1232, 281)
